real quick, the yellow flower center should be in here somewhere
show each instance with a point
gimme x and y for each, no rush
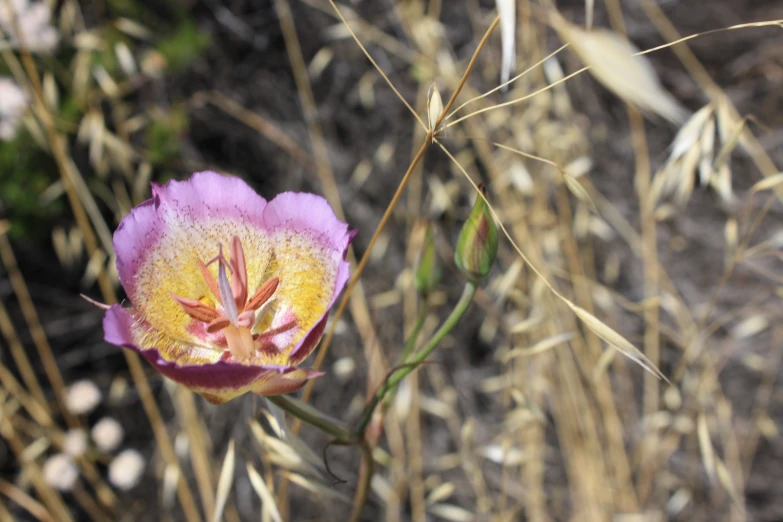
(238, 314)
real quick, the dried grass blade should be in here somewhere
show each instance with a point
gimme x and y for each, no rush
(579, 192)
(724, 478)
(730, 141)
(452, 512)
(539, 347)
(767, 183)
(619, 342)
(268, 504)
(224, 483)
(705, 445)
(317, 488)
(689, 134)
(611, 59)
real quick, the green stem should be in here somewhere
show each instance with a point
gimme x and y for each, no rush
(410, 344)
(400, 373)
(312, 416)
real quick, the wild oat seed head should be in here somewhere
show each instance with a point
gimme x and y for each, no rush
(107, 434)
(82, 397)
(126, 469)
(60, 472)
(75, 442)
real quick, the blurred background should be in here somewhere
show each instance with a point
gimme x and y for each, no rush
(663, 227)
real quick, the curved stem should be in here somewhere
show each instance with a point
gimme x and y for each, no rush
(400, 373)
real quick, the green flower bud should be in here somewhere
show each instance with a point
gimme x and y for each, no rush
(428, 268)
(477, 245)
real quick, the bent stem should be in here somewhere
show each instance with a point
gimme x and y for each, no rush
(409, 365)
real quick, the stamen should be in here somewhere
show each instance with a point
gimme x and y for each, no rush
(196, 309)
(218, 324)
(263, 294)
(210, 280)
(239, 274)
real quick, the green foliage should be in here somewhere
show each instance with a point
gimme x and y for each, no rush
(163, 134)
(26, 172)
(183, 46)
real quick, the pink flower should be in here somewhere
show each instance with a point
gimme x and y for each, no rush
(229, 292)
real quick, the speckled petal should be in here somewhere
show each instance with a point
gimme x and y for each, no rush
(310, 244)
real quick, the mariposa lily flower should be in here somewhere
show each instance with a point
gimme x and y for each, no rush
(229, 292)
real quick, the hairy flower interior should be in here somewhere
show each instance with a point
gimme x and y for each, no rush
(230, 310)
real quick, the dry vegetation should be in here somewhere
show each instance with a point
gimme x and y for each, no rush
(627, 237)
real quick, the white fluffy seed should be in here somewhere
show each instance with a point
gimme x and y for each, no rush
(75, 442)
(126, 469)
(60, 472)
(107, 434)
(82, 397)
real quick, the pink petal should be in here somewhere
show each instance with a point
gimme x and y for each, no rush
(307, 214)
(311, 215)
(138, 232)
(207, 194)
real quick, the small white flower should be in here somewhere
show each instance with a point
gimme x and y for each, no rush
(28, 24)
(13, 104)
(60, 472)
(126, 469)
(82, 397)
(75, 442)
(107, 434)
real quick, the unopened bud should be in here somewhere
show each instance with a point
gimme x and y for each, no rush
(477, 245)
(434, 106)
(428, 268)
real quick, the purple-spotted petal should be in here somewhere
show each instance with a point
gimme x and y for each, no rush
(310, 247)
